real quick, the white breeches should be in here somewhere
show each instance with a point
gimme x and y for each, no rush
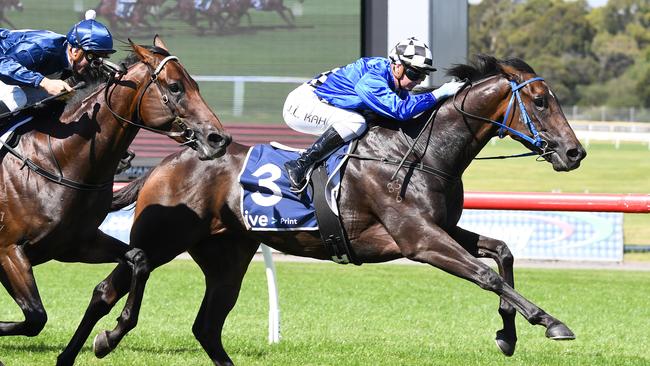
(305, 113)
(12, 96)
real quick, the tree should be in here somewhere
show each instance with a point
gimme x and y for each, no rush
(589, 56)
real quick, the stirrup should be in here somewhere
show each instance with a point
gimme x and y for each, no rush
(305, 184)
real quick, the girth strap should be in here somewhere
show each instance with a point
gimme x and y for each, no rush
(329, 225)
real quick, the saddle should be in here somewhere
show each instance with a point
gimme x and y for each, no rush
(12, 129)
(267, 203)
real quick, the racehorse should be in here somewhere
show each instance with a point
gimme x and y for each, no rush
(187, 11)
(136, 18)
(9, 4)
(56, 184)
(234, 10)
(414, 216)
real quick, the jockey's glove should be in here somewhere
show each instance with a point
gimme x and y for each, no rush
(447, 89)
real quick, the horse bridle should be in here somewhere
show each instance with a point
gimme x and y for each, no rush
(186, 133)
(536, 140)
(111, 70)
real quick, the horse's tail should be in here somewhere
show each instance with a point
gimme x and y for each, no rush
(129, 194)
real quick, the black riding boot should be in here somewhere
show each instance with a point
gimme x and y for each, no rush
(300, 169)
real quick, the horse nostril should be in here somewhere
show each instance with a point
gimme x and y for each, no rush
(218, 139)
(576, 154)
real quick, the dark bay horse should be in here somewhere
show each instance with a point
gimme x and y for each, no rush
(234, 10)
(201, 212)
(6, 5)
(56, 194)
(187, 11)
(136, 18)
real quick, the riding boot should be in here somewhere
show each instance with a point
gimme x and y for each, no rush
(300, 169)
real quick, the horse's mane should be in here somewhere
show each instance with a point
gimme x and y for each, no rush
(485, 66)
(132, 58)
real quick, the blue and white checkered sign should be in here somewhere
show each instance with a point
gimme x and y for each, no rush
(555, 235)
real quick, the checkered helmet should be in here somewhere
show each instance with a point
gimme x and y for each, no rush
(413, 53)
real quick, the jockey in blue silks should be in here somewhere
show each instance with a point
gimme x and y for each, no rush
(27, 57)
(331, 104)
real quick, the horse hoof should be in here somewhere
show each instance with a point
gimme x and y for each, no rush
(506, 344)
(101, 347)
(559, 332)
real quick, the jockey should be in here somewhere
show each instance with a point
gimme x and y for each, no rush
(26, 56)
(330, 105)
(203, 5)
(124, 8)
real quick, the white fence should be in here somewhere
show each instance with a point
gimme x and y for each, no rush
(239, 86)
(616, 132)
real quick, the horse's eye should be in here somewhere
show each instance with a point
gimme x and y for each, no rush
(175, 88)
(540, 102)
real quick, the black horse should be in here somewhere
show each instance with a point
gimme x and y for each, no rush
(414, 216)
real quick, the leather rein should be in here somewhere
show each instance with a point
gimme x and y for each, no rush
(536, 140)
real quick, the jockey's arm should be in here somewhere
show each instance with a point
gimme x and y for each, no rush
(13, 73)
(376, 94)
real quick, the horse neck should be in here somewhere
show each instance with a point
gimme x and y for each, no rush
(98, 140)
(449, 142)
(456, 140)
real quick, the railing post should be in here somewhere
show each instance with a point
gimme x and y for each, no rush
(238, 98)
(274, 303)
(574, 112)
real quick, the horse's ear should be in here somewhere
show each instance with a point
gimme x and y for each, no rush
(143, 54)
(158, 42)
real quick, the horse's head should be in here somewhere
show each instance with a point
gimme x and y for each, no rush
(168, 101)
(528, 110)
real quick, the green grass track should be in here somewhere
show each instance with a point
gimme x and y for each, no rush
(346, 315)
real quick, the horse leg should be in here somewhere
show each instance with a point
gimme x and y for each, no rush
(155, 233)
(104, 249)
(224, 264)
(17, 277)
(283, 11)
(11, 25)
(105, 296)
(107, 341)
(484, 247)
(434, 246)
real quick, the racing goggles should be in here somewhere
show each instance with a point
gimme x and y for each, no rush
(414, 74)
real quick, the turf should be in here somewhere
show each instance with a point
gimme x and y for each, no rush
(604, 170)
(371, 315)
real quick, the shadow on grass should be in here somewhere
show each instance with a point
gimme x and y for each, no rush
(32, 347)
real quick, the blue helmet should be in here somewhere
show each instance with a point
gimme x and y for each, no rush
(91, 35)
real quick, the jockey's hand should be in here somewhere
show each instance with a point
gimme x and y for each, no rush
(54, 86)
(447, 89)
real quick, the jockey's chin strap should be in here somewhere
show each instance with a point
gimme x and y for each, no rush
(186, 133)
(535, 140)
